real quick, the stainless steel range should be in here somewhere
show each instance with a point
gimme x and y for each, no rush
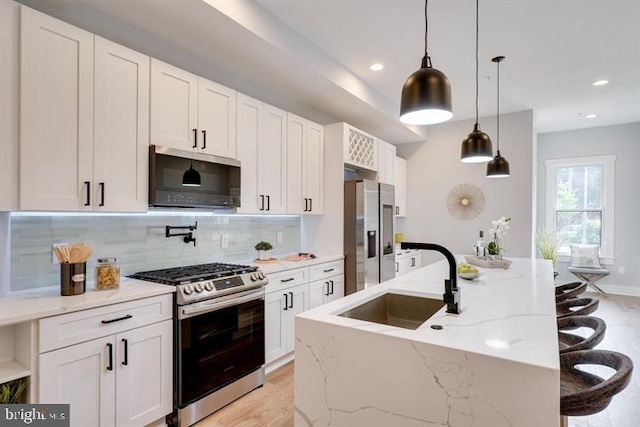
(219, 335)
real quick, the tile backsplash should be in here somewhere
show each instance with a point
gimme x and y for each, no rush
(139, 242)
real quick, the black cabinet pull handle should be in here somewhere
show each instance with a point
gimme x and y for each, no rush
(101, 194)
(286, 302)
(397, 210)
(88, 184)
(327, 293)
(291, 302)
(310, 205)
(305, 205)
(268, 202)
(413, 262)
(195, 138)
(331, 286)
(125, 362)
(287, 280)
(110, 367)
(261, 202)
(128, 316)
(397, 267)
(328, 270)
(204, 139)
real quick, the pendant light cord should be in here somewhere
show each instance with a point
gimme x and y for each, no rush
(426, 60)
(477, 33)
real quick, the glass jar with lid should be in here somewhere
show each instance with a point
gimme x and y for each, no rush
(107, 274)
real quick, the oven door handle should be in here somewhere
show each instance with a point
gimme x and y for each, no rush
(186, 312)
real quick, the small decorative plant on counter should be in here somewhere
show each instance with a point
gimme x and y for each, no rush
(264, 250)
(12, 391)
(497, 232)
(548, 243)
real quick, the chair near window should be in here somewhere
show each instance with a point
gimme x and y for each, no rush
(585, 265)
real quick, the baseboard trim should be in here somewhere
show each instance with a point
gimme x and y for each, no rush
(278, 363)
(618, 290)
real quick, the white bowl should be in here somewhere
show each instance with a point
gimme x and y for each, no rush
(469, 276)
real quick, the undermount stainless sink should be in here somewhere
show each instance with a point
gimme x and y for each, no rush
(404, 311)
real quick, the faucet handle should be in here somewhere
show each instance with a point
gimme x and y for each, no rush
(451, 297)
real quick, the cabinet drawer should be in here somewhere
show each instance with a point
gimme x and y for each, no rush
(321, 271)
(68, 329)
(286, 279)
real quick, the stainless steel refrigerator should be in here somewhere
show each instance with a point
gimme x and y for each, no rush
(369, 223)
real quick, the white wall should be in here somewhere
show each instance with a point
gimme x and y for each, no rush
(624, 142)
(434, 168)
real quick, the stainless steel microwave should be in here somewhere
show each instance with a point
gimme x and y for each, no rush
(184, 179)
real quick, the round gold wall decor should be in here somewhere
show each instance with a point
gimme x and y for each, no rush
(465, 201)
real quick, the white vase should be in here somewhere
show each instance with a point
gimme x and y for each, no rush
(264, 255)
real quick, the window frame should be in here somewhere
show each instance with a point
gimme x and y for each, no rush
(607, 255)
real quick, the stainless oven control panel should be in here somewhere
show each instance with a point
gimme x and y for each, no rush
(206, 289)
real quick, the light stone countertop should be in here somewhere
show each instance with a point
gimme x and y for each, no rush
(45, 302)
(282, 265)
(507, 314)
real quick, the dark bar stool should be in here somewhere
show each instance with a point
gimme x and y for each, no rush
(584, 306)
(569, 290)
(571, 342)
(582, 393)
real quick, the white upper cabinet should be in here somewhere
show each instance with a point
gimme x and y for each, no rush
(83, 120)
(401, 186)
(191, 113)
(262, 149)
(174, 104)
(305, 166)
(121, 128)
(386, 162)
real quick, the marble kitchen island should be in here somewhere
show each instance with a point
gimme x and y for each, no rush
(495, 364)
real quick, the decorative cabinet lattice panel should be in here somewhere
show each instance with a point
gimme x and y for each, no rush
(361, 150)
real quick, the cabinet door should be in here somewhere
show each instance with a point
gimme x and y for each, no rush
(272, 162)
(216, 119)
(401, 186)
(174, 103)
(298, 302)
(314, 167)
(318, 292)
(296, 203)
(386, 162)
(121, 136)
(275, 317)
(79, 375)
(56, 114)
(250, 135)
(336, 288)
(144, 386)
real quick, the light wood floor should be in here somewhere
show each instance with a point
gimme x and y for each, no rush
(272, 404)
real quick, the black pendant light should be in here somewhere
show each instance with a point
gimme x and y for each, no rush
(191, 177)
(426, 95)
(499, 166)
(476, 147)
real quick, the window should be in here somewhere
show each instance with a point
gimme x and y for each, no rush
(580, 202)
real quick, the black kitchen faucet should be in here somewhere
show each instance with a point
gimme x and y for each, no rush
(451, 295)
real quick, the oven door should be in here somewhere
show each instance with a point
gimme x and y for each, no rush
(219, 341)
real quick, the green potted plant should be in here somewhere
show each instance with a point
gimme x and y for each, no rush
(264, 250)
(548, 244)
(12, 391)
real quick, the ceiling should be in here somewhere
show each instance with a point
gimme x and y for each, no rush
(312, 57)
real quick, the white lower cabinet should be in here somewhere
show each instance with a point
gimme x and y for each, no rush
(407, 261)
(281, 306)
(327, 290)
(121, 379)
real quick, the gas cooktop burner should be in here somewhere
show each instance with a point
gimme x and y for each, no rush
(193, 273)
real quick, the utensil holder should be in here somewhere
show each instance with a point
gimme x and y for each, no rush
(73, 278)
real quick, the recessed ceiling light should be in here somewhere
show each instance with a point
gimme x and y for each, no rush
(376, 67)
(600, 82)
(590, 116)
